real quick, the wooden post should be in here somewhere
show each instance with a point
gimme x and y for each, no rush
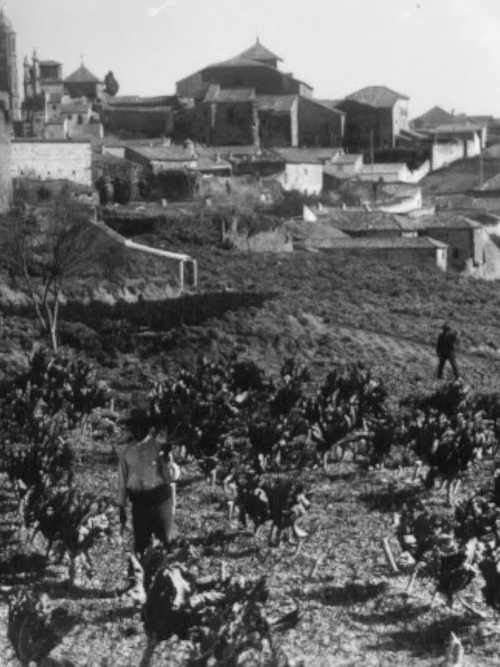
(181, 275)
(388, 554)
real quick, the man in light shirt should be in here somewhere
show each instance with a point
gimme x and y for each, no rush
(145, 474)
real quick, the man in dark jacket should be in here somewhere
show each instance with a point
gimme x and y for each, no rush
(446, 346)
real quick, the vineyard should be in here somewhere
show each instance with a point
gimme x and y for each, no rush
(323, 520)
(336, 505)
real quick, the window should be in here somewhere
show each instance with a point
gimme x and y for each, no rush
(230, 115)
(54, 107)
(80, 120)
(456, 253)
(70, 117)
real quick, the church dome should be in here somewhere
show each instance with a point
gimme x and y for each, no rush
(5, 25)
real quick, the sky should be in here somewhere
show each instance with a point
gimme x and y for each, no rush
(437, 52)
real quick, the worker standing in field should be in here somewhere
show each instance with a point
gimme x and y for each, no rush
(447, 344)
(145, 477)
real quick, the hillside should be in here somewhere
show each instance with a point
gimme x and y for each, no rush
(269, 307)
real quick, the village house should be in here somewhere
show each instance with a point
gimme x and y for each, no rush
(303, 168)
(465, 238)
(432, 118)
(375, 117)
(420, 251)
(176, 170)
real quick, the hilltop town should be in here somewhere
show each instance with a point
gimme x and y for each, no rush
(375, 181)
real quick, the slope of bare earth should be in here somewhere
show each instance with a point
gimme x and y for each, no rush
(460, 176)
(269, 307)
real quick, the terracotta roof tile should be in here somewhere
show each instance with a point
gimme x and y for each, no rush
(377, 96)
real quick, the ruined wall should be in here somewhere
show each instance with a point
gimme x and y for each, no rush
(55, 159)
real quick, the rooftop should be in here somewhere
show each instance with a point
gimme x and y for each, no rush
(385, 242)
(307, 155)
(362, 221)
(435, 116)
(229, 95)
(276, 103)
(377, 96)
(383, 167)
(259, 52)
(82, 75)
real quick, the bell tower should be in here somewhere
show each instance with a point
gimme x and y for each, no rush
(9, 83)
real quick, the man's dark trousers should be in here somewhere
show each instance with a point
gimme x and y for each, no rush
(453, 363)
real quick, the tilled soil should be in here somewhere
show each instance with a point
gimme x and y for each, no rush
(353, 610)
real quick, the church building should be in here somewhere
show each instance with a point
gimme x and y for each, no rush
(249, 100)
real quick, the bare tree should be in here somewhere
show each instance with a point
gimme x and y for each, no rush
(47, 247)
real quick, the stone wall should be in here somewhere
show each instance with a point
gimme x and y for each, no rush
(41, 159)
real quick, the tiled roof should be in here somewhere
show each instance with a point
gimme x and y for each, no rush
(458, 128)
(447, 221)
(412, 135)
(330, 104)
(54, 98)
(244, 154)
(306, 155)
(426, 223)
(377, 96)
(310, 231)
(347, 158)
(363, 221)
(383, 242)
(383, 168)
(82, 75)
(276, 103)
(259, 52)
(178, 156)
(237, 62)
(229, 95)
(435, 116)
(166, 153)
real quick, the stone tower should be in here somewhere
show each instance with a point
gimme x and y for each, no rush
(9, 84)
